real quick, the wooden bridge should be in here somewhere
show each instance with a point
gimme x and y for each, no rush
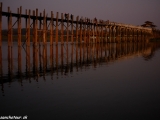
(66, 29)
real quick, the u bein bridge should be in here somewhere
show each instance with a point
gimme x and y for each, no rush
(34, 55)
(67, 29)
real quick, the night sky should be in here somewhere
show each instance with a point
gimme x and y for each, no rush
(134, 12)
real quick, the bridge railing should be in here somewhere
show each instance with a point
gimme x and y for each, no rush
(128, 26)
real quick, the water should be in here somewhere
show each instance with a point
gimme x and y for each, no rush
(83, 82)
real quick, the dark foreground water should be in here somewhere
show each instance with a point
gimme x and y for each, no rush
(96, 82)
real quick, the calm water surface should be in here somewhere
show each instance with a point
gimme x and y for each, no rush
(95, 82)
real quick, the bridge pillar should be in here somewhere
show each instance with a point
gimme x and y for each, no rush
(110, 33)
(124, 33)
(114, 34)
(72, 29)
(84, 31)
(62, 29)
(19, 11)
(81, 31)
(67, 29)
(44, 28)
(77, 19)
(102, 40)
(117, 34)
(127, 34)
(105, 35)
(28, 29)
(9, 28)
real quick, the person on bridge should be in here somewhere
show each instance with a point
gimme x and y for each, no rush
(71, 17)
(95, 20)
(66, 16)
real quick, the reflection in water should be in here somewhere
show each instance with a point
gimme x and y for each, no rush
(64, 58)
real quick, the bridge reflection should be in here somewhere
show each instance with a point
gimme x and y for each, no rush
(46, 60)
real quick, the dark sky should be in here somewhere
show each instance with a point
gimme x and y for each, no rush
(134, 12)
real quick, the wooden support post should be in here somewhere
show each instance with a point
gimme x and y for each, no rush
(67, 28)
(97, 31)
(62, 29)
(105, 35)
(0, 24)
(33, 37)
(44, 28)
(9, 28)
(84, 29)
(57, 29)
(117, 35)
(91, 32)
(28, 29)
(36, 39)
(102, 33)
(36, 28)
(26, 24)
(72, 29)
(77, 21)
(110, 34)
(51, 29)
(19, 11)
(81, 31)
(89, 27)
(114, 34)
(28, 42)
(39, 32)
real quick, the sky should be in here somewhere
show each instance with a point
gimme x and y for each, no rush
(134, 12)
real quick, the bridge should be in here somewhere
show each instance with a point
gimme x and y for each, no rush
(67, 29)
